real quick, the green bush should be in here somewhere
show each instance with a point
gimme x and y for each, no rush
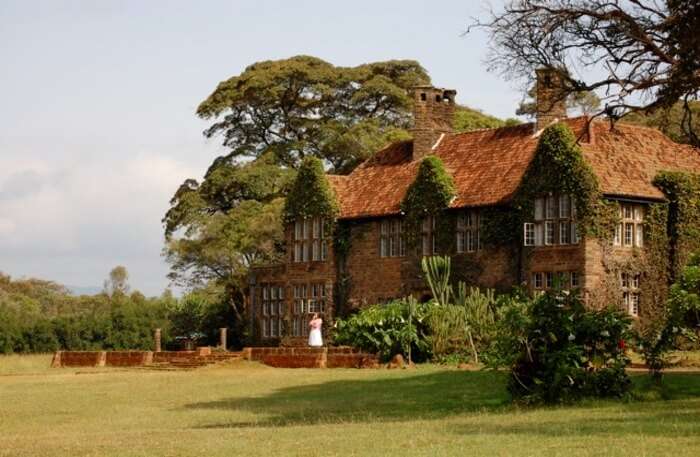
(387, 330)
(558, 351)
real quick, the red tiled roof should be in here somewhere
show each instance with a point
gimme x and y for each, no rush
(488, 165)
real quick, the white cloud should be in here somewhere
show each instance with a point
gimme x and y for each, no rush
(73, 221)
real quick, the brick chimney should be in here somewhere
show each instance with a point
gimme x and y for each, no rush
(433, 114)
(551, 98)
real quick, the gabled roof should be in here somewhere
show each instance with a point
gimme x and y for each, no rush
(488, 165)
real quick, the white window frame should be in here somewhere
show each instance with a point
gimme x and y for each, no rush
(530, 238)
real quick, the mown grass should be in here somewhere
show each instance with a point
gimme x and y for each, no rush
(248, 409)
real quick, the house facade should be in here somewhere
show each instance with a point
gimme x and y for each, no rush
(626, 263)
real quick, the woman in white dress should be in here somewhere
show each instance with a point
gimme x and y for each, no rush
(315, 324)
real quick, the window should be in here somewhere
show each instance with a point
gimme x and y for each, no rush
(549, 232)
(308, 298)
(630, 292)
(564, 206)
(273, 310)
(529, 234)
(310, 241)
(537, 280)
(551, 207)
(428, 245)
(574, 280)
(565, 280)
(554, 222)
(564, 232)
(392, 242)
(468, 236)
(630, 231)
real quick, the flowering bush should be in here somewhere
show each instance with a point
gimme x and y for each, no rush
(558, 351)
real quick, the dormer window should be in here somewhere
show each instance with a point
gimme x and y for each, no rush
(309, 239)
(554, 222)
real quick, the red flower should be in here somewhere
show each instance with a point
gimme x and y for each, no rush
(621, 344)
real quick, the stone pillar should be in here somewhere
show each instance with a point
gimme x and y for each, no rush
(56, 361)
(156, 340)
(222, 338)
(102, 359)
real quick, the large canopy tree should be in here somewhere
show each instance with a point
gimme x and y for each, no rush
(271, 117)
(304, 106)
(217, 229)
(638, 55)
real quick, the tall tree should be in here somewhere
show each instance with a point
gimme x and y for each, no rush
(305, 106)
(217, 229)
(118, 281)
(643, 55)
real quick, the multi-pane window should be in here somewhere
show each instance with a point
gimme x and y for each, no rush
(273, 311)
(563, 279)
(537, 282)
(392, 242)
(468, 228)
(629, 283)
(428, 244)
(630, 231)
(308, 298)
(554, 224)
(310, 241)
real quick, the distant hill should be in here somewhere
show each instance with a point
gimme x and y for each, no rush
(467, 119)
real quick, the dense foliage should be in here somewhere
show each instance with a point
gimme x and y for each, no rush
(683, 193)
(429, 194)
(387, 330)
(467, 119)
(311, 195)
(303, 106)
(42, 316)
(558, 351)
(679, 319)
(557, 167)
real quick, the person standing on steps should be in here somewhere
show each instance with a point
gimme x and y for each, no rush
(315, 324)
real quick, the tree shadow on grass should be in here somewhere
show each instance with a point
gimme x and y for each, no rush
(419, 396)
(443, 394)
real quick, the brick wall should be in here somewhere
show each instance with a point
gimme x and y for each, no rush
(297, 357)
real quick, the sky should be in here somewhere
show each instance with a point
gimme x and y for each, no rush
(98, 100)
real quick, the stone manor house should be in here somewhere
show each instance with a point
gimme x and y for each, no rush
(487, 167)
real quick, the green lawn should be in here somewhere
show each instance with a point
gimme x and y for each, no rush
(252, 410)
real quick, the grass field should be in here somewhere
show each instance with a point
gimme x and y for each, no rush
(252, 410)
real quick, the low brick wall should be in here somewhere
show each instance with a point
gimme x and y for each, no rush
(169, 356)
(128, 358)
(325, 357)
(79, 358)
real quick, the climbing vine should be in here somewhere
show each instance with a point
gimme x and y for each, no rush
(683, 193)
(311, 195)
(557, 167)
(430, 194)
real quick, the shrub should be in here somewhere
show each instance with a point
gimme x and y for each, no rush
(680, 313)
(387, 330)
(559, 352)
